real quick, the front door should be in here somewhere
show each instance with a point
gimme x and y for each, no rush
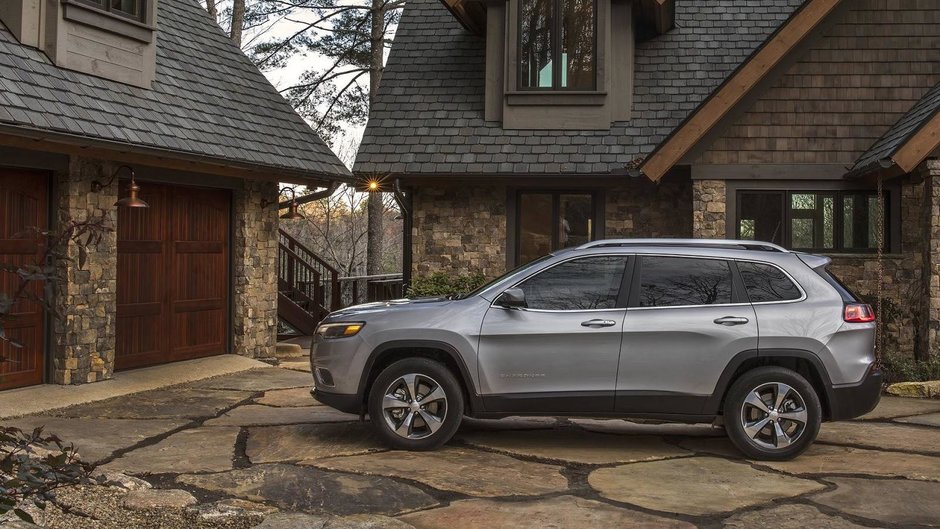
(687, 318)
(560, 353)
(173, 276)
(23, 208)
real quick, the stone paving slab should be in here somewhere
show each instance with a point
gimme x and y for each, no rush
(194, 450)
(623, 427)
(295, 520)
(175, 403)
(789, 517)
(311, 490)
(891, 407)
(575, 446)
(297, 365)
(899, 502)
(97, 439)
(882, 436)
(263, 379)
(258, 415)
(695, 485)
(309, 442)
(822, 459)
(466, 471)
(931, 419)
(562, 512)
(288, 398)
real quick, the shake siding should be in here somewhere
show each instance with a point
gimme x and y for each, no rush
(842, 94)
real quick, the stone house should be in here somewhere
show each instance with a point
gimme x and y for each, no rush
(93, 93)
(778, 120)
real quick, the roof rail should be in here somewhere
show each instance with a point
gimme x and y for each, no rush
(688, 243)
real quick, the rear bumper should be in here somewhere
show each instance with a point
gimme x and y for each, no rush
(848, 402)
(345, 403)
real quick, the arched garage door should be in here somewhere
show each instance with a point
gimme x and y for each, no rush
(173, 276)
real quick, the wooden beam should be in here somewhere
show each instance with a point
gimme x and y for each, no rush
(919, 146)
(470, 13)
(659, 16)
(736, 87)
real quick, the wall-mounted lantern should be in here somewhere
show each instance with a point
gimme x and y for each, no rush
(130, 201)
(292, 208)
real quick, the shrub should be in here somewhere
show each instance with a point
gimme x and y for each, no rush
(904, 368)
(440, 284)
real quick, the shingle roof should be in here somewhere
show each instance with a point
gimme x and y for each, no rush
(429, 115)
(900, 132)
(208, 100)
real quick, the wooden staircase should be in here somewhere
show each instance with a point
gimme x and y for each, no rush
(308, 288)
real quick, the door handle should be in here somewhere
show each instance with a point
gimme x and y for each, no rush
(598, 323)
(731, 320)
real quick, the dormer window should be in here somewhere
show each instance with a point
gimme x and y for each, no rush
(132, 9)
(557, 43)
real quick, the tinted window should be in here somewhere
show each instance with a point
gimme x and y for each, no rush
(767, 283)
(677, 281)
(582, 284)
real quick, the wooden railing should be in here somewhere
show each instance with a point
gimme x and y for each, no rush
(364, 289)
(305, 278)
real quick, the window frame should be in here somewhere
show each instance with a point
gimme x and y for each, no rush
(622, 295)
(738, 292)
(105, 6)
(556, 32)
(556, 209)
(765, 263)
(838, 221)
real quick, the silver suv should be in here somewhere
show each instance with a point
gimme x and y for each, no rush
(743, 333)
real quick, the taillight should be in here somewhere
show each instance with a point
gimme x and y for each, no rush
(858, 313)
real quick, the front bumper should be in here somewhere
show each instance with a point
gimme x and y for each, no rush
(343, 402)
(848, 402)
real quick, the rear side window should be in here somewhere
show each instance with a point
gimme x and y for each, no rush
(582, 284)
(847, 295)
(683, 281)
(765, 283)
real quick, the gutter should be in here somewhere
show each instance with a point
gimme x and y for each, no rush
(310, 197)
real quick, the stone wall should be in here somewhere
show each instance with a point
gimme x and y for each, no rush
(930, 344)
(709, 219)
(459, 230)
(646, 209)
(83, 337)
(254, 251)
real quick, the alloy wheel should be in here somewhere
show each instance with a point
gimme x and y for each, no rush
(414, 406)
(774, 415)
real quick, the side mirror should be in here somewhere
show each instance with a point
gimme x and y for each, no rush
(512, 298)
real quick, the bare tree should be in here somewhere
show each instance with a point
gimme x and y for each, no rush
(238, 21)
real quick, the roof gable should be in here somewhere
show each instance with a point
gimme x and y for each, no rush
(208, 100)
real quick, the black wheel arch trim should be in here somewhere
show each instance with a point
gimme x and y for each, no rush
(713, 404)
(475, 403)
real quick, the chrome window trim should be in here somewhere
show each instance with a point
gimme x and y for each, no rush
(790, 277)
(692, 306)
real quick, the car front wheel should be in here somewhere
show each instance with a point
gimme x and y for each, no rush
(416, 404)
(772, 413)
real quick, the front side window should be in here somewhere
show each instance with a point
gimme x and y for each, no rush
(683, 281)
(582, 284)
(825, 221)
(552, 221)
(557, 44)
(133, 9)
(766, 283)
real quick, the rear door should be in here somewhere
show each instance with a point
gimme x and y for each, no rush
(560, 353)
(687, 318)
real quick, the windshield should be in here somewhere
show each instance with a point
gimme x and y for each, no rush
(504, 276)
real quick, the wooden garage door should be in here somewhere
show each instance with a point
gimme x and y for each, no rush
(173, 276)
(23, 206)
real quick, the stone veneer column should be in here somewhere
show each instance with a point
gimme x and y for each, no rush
(254, 251)
(709, 210)
(930, 328)
(86, 301)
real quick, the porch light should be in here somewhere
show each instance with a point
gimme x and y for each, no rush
(373, 186)
(292, 208)
(130, 201)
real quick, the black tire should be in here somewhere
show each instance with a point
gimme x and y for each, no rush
(753, 426)
(422, 435)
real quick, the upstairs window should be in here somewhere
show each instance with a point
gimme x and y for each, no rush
(557, 43)
(133, 9)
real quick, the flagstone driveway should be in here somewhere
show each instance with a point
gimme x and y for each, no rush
(259, 436)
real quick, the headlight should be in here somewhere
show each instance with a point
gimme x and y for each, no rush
(340, 330)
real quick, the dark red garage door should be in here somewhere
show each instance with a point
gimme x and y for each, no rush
(23, 206)
(173, 276)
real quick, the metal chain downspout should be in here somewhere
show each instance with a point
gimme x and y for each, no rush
(879, 325)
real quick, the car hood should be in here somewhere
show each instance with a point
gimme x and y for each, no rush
(389, 306)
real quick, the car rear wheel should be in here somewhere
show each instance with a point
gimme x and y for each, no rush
(416, 404)
(772, 413)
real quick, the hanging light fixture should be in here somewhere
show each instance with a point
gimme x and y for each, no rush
(130, 201)
(292, 208)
